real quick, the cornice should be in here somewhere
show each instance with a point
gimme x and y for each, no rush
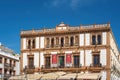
(81, 30)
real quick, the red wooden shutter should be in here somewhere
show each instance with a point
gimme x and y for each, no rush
(68, 58)
(54, 58)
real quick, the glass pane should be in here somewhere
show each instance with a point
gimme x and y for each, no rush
(76, 61)
(96, 59)
(61, 61)
(99, 39)
(93, 40)
(71, 41)
(62, 42)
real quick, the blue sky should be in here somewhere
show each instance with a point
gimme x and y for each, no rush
(17, 15)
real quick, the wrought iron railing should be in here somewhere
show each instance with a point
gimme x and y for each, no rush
(96, 65)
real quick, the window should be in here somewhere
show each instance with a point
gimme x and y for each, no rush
(71, 41)
(14, 63)
(47, 42)
(96, 39)
(52, 42)
(96, 60)
(62, 42)
(5, 60)
(33, 43)
(14, 73)
(10, 63)
(0, 59)
(76, 40)
(5, 71)
(10, 72)
(0, 70)
(93, 40)
(29, 44)
(99, 39)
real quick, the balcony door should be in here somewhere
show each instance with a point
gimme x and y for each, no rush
(76, 61)
(47, 62)
(31, 62)
(96, 60)
(61, 61)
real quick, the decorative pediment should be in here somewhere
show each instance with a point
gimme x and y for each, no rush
(96, 51)
(30, 55)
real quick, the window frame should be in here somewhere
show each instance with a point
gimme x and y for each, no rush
(96, 35)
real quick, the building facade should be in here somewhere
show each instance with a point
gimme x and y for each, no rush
(81, 49)
(9, 63)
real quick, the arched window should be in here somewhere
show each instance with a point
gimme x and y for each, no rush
(62, 42)
(33, 43)
(71, 41)
(52, 42)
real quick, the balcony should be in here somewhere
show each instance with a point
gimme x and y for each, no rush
(95, 68)
(47, 46)
(29, 69)
(66, 69)
(6, 65)
(62, 46)
(12, 67)
(6, 76)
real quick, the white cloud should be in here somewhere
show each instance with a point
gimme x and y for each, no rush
(70, 3)
(55, 3)
(74, 3)
(81, 3)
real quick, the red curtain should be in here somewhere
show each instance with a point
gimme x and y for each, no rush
(54, 58)
(68, 58)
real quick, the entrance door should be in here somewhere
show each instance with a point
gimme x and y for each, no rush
(47, 62)
(61, 61)
(76, 61)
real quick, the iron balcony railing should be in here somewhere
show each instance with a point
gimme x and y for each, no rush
(96, 65)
